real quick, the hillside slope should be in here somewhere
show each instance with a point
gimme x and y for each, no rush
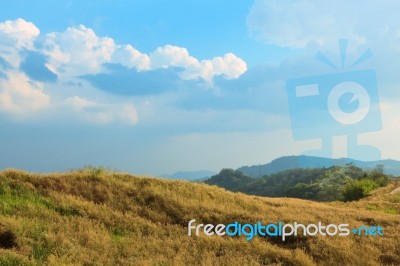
(91, 217)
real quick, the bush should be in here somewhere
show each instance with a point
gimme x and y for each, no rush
(358, 189)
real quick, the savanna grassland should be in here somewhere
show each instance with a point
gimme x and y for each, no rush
(96, 217)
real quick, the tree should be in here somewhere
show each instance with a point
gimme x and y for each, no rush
(358, 189)
(378, 176)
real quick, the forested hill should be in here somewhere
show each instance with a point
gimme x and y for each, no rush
(391, 167)
(321, 184)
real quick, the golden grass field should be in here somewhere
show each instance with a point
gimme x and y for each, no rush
(95, 217)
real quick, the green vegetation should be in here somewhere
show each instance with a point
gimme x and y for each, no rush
(358, 189)
(230, 179)
(302, 161)
(98, 217)
(321, 184)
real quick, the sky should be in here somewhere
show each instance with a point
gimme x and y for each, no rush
(155, 87)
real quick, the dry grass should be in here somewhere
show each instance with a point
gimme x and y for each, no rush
(104, 218)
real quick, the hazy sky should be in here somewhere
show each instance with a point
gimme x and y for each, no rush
(154, 87)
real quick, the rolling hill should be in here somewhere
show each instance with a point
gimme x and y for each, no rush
(95, 217)
(335, 183)
(391, 167)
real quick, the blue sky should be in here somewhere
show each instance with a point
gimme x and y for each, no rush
(207, 28)
(153, 87)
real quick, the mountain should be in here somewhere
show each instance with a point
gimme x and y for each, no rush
(95, 217)
(391, 167)
(190, 175)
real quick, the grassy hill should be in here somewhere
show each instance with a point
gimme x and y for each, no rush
(94, 217)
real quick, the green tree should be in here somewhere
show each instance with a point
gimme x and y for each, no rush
(358, 189)
(378, 176)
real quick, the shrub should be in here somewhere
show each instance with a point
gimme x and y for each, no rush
(358, 189)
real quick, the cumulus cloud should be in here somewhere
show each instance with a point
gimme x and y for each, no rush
(14, 37)
(228, 65)
(34, 66)
(77, 51)
(170, 55)
(19, 95)
(295, 23)
(128, 56)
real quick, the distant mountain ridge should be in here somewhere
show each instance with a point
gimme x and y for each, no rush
(190, 175)
(391, 167)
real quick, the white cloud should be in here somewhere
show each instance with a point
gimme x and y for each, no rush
(18, 33)
(77, 51)
(14, 36)
(295, 23)
(19, 95)
(130, 57)
(229, 65)
(74, 52)
(170, 55)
